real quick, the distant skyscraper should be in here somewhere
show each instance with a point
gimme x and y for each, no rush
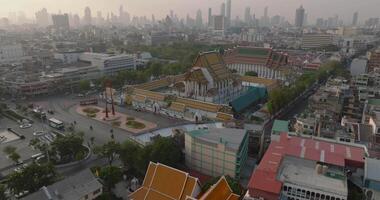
(355, 19)
(87, 19)
(42, 17)
(300, 16)
(305, 19)
(209, 17)
(198, 19)
(247, 15)
(228, 13)
(223, 9)
(61, 21)
(266, 12)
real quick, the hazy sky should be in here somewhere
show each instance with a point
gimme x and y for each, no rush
(314, 8)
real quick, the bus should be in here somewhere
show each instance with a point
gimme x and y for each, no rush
(55, 123)
(86, 102)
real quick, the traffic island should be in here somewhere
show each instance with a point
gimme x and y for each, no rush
(129, 123)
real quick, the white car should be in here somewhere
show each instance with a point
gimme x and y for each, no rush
(25, 126)
(38, 133)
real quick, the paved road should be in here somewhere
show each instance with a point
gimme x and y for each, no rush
(65, 110)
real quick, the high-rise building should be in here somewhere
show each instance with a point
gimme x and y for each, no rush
(228, 13)
(61, 21)
(42, 17)
(320, 22)
(247, 15)
(266, 12)
(300, 16)
(87, 16)
(355, 19)
(223, 9)
(198, 19)
(209, 17)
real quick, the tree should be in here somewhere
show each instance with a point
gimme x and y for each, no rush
(234, 185)
(162, 150)
(84, 85)
(3, 196)
(68, 147)
(31, 178)
(12, 154)
(129, 152)
(110, 176)
(109, 150)
(155, 69)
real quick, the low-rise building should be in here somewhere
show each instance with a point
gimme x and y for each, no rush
(314, 41)
(83, 185)
(109, 64)
(305, 168)
(371, 179)
(217, 151)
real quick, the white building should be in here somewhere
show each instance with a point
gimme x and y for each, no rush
(68, 57)
(110, 64)
(11, 53)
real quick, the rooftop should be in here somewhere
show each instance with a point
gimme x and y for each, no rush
(231, 137)
(264, 178)
(153, 187)
(303, 172)
(71, 188)
(372, 167)
(280, 126)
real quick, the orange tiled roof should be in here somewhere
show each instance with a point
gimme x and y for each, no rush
(210, 107)
(162, 182)
(224, 116)
(220, 191)
(149, 94)
(214, 63)
(165, 82)
(139, 98)
(179, 107)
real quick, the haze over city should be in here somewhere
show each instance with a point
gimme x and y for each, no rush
(160, 8)
(189, 99)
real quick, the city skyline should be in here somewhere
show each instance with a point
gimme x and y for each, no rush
(160, 8)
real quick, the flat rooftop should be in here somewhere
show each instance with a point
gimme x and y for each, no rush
(231, 137)
(303, 172)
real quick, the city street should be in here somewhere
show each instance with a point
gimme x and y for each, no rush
(64, 108)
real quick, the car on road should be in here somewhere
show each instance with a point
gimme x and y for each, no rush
(80, 95)
(25, 126)
(38, 133)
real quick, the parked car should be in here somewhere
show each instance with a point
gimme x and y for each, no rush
(25, 126)
(38, 133)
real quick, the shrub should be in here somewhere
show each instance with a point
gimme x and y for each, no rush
(92, 115)
(91, 110)
(130, 118)
(135, 125)
(116, 123)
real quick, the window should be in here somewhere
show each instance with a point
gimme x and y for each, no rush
(285, 188)
(96, 191)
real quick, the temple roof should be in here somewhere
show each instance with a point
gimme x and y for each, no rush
(214, 64)
(180, 186)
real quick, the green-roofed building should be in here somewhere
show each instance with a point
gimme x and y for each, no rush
(217, 151)
(279, 126)
(252, 95)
